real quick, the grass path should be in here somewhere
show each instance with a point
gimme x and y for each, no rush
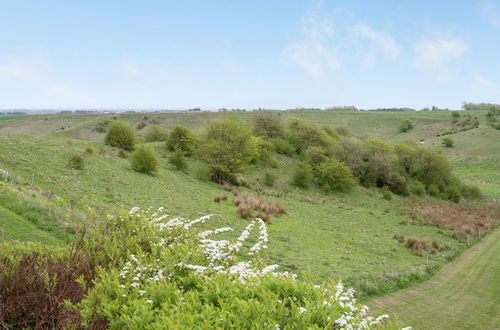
(463, 295)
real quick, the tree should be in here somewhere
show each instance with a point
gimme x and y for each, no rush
(333, 175)
(229, 147)
(448, 143)
(144, 159)
(120, 135)
(155, 133)
(181, 139)
(267, 123)
(405, 126)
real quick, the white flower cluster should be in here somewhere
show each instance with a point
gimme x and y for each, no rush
(4, 175)
(225, 257)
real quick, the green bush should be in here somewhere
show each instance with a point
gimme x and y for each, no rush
(269, 178)
(120, 135)
(333, 175)
(315, 155)
(302, 134)
(144, 159)
(433, 190)
(228, 147)
(282, 146)
(155, 133)
(448, 143)
(453, 193)
(417, 188)
(182, 139)
(455, 114)
(470, 191)
(89, 150)
(264, 154)
(342, 131)
(76, 162)
(140, 126)
(386, 194)
(268, 124)
(405, 126)
(302, 177)
(178, 161)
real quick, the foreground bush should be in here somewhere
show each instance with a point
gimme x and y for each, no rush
(333, 175)
(144, 160)
(176, 278)
(155, 133)
(405, 126)
(76, 162)
(120, 135)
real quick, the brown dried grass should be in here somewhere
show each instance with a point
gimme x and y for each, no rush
(248, 203)
(220, 198)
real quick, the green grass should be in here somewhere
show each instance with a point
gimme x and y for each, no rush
(15, 227)
(343, 236)
(464, 295)
(340, 236)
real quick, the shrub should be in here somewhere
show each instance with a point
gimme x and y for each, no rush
(342, 131)
(269, 178)
(182, 139)
(247, 202)
(386, 194)
(455, 114)
(264, 154)
(333, 175)
(76, 162)
(470, 191)
(302, 177)
(144, 159)
(433, 190)
(405, 126)
(399, 238)
(453, 193)
(120, 135)
(102, 126)
(282, 146)
(220, 198)
(89, 150)
(315, 155)
(229, 147)
(178, 161)
(448, 143)
(417, 188)
(140, 126)
(269, 124)
(155, 133)
(302, 134)
(418, 245)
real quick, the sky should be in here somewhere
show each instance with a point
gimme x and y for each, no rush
(248, 54)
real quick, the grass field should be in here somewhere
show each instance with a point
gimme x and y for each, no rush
(463, 295)
(322, 237)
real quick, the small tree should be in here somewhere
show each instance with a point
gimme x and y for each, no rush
(144, 159)
(155, 133)
(333, 175)
(229, 147)
(448, 143)
(120, 135)
(405, 126)
(267, 123)
(302, 177)
(178, 161)
(455, 114)
(181, 139)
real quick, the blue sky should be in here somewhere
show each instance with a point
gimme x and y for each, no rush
(248, 54)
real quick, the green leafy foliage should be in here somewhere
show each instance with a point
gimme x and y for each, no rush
(120, 135)
(268, 124)
(405, 126)
(448, 143)
(228, 147)
(144, 159)
(302, 177)
(76, 162)
(333, 175)
(181, 139)
(178, 161)
(155, 133)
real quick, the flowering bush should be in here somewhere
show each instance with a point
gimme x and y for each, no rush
(4, 175)
(174, 277)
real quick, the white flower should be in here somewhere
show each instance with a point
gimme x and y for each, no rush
(302, 310)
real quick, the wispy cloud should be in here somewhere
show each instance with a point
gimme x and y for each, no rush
(314, 53)
(379, 40)
(490, 11)
(432, 53)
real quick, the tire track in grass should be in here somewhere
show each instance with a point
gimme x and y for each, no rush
(463, 295)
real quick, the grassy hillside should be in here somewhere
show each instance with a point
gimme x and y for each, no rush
(336, 236)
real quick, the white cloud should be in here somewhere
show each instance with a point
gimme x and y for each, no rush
(381, 41)
(491, 11)
(314, 53)
(432, 53)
